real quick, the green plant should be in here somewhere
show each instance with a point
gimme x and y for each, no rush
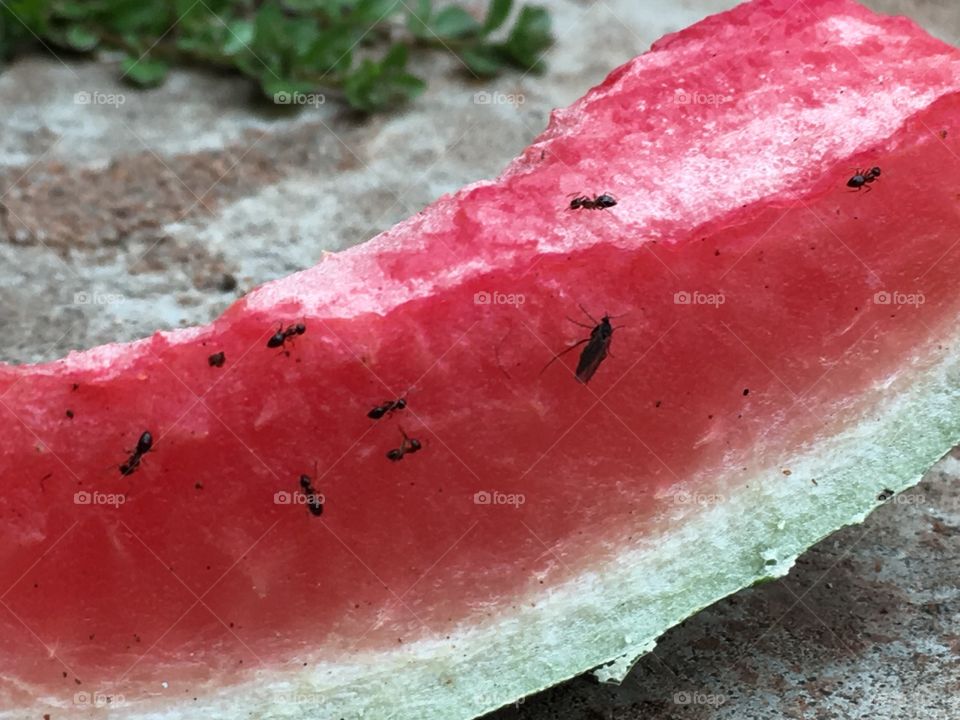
(358, 49)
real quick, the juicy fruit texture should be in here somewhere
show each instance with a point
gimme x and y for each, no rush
(778, 329)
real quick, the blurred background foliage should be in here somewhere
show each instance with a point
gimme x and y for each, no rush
(359, 49)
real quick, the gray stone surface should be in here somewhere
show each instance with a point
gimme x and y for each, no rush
(162, 210)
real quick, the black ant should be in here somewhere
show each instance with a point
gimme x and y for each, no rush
(863, 178)
(217, 359)
(387, 408)
(314, 500)
(409, 445)
(280, 337)
(598, 202)
(143, 447)
(598, 346)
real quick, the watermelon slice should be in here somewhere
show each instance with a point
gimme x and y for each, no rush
(780, 354)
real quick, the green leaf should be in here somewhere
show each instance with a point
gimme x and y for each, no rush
(496, 15)
(395, 59)
(368, 12)
(306, 5)
(484, 60)
(135, 17)
(377, 85)
(80, 38)
(78, 10)
(268, 40)
(418, 18)
(454, 22)
(239, 36)
(33, 14)
(144, 72)
(285, 46)
(331, 52)
(529, 38)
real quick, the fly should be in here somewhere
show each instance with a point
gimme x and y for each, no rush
(596, 351)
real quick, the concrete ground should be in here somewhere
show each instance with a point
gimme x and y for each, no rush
(142, 210)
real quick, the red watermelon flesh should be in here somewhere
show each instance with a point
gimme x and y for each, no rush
(783, 352)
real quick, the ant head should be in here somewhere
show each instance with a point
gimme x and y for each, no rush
(300, 328)
(874, 171)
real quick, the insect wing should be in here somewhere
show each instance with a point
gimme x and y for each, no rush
(593, 354)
